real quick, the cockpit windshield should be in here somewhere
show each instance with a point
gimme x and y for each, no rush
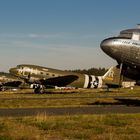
(131, 33)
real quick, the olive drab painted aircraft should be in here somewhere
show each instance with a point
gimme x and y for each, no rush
(8, 81)
(125, 49)
(43, 77)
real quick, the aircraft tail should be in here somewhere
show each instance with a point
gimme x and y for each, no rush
(112, 77)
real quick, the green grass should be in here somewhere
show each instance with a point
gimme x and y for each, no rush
(76, 127)
(26, 98)
(69, 93)
(22, 103)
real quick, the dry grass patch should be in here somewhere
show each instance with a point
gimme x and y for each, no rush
(77, 127)
(14, 130)
(88, 127)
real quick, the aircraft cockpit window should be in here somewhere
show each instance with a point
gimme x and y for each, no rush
(127, 35)
(136, 36)
(19, 67)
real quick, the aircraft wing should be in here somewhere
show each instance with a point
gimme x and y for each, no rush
(12, 83)
(59, 81)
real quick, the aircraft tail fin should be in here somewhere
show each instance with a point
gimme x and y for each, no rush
(112, 77)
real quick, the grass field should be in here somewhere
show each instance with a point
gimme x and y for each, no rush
(74, 127)
(77, 127)
(68, 98)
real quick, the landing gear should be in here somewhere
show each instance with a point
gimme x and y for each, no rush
(39, 89)
(121, 76)
(2, 88)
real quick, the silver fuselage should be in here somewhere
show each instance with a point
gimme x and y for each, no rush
(123, 50)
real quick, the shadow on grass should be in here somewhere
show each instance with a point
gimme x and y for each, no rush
(127, 102)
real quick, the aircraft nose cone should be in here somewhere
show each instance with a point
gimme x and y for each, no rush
(105, 46)
(13, 71)
(110, 48)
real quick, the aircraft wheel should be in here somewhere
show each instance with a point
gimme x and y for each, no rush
(1, 88)
(39, 89)
(36, 90)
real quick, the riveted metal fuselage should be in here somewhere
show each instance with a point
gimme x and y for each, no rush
(123, 50)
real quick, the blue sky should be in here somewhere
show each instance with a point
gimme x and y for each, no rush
(63, 34)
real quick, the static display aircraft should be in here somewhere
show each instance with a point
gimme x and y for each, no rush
(43, 77)
(125, 49)
(8, 81)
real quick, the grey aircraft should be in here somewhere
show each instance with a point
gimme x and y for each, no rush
(125, 49)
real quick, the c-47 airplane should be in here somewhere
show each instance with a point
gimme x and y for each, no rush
(125, 49)
(43, 77)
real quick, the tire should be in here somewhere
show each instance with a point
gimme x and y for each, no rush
(39, 89)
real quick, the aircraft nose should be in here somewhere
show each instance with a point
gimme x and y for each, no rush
(13, 71)
(105, 46)
(110, 48)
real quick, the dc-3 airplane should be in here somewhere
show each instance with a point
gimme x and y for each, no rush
(125, 49)
(42, 77)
